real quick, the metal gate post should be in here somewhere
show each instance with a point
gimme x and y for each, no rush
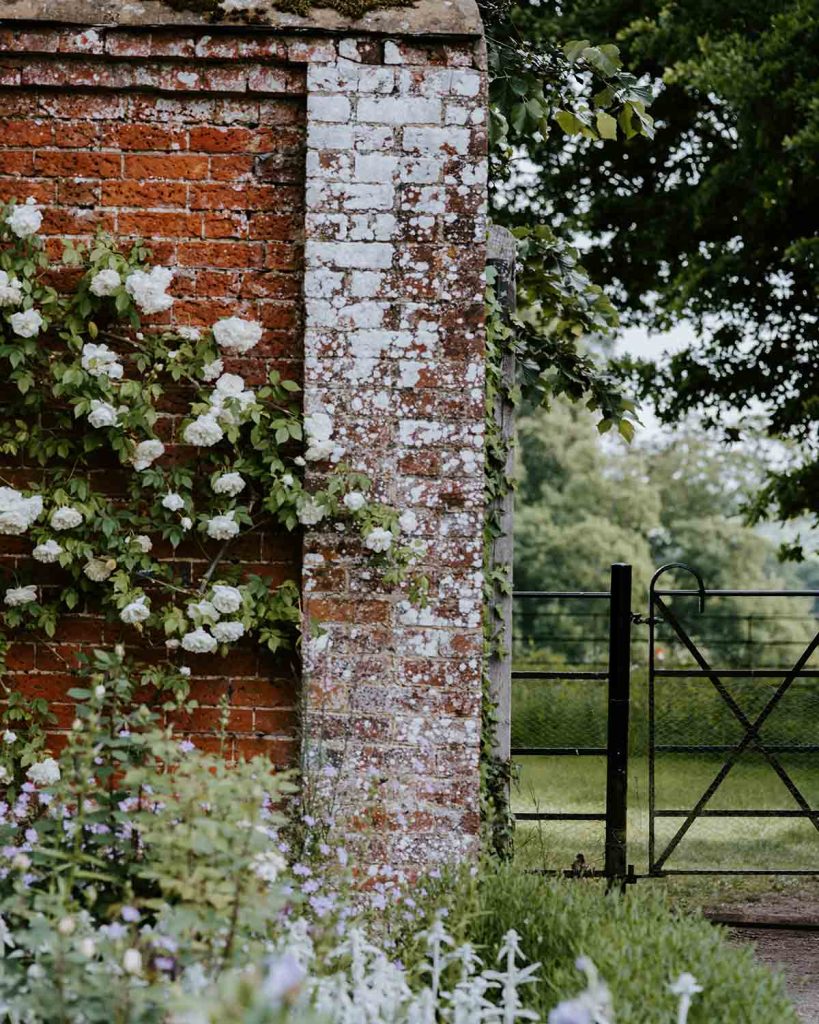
(618, 723)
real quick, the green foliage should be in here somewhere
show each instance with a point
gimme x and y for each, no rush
(713, 223)
(638, 944)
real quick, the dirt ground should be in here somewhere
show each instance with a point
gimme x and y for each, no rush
(794, 951)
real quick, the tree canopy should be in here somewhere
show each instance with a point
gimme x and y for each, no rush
(713, 221)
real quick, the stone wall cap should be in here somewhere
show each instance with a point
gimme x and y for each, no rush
(426, 18)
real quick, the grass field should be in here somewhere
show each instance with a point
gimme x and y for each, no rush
(577, 784)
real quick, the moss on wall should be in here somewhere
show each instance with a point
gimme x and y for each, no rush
(350, 8)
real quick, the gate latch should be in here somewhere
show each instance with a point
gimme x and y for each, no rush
(644, 620)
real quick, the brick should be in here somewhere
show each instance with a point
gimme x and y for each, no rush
(76, 165)
(26, 133)
(161, 225)
(221, 254)
(144, 137)
(168, 166)
(19, 162)
(144, 194)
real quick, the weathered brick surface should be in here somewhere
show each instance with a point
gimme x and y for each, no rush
(333, 188)
(215, 182)
(394, 252)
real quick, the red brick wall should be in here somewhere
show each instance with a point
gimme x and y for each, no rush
(202, 155)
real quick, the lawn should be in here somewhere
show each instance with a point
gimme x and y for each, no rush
(577, 785)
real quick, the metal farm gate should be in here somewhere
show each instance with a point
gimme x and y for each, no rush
(720, 735)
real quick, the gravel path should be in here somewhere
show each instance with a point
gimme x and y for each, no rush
(795, 952)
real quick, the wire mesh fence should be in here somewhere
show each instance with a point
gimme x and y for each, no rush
(751, 641)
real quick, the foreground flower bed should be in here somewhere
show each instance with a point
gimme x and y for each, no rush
(144, 882)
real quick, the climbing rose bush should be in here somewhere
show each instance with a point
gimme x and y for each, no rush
(94, 394)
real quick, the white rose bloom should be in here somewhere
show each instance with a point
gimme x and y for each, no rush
(310, 512)
(103, 414)
(137, 611)
(354, 501)
(186, 522)
(229, 483)
(204, 431)
(210, 371)
(228, 632)
(287, 480)
(16, 512)
(4, 775)
(147, 452)
(25, 219)
(408, 522)
(9, 736)
(105, 283)
(11, 292)
(318, 426)
(172, 643)
(236, 335)
(222, 527)
(27, 324)
(20, 595)
(189, 333)
(173, 502)
(143, 542)
(199, 641)
(230, 384)
(203, 610)
(65, 518)
(148, 290)
(378, 540)
(44, 773)
(100, 361)
(47, 552)
(99, 569)
(227, 599)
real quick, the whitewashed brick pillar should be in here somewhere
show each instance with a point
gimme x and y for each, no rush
(394, 348)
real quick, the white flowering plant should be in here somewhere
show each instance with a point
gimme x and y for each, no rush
(150, 457)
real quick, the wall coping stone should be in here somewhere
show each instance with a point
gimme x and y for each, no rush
(452, 18)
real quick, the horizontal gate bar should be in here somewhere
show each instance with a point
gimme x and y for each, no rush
(668, 813)
(733, 673)
(772, 748)
(546, 816)
(738, 593)
(601, 594)
(555, 751)
(533, 674)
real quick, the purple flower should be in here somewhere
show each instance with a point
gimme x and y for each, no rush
(165, 963)
(130, 914)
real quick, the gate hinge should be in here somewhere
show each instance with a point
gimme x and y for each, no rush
(643, 620)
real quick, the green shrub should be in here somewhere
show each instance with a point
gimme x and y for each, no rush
(638, 944)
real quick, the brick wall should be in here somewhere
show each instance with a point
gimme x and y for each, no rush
(368, 278)
(202, 155)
